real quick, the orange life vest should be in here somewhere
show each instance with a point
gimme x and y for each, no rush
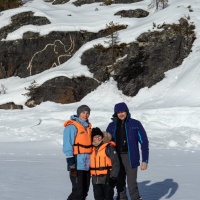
(83, 142)
(100, 163)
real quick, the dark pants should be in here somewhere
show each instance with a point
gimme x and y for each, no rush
(80, 185)
(103, 192)
(126, 171)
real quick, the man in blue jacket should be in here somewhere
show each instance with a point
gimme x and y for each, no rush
(128, 133)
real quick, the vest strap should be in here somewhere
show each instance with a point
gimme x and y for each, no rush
(84, 146)
(101, 168)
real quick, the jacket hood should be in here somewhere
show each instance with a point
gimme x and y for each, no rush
(120, 107)
(106, 137)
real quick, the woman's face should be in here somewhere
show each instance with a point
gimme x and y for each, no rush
(84, 116)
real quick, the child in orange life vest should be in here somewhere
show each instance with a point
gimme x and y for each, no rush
(104, 165)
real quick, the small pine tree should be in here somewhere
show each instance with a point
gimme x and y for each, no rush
(31, 89)
(3, 89)
(113, 38)
(156, 3)
(164, 3)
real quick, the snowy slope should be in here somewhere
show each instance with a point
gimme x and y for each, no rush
(32, 163)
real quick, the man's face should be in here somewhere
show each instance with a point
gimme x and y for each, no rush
(84, 116)
(122, 115)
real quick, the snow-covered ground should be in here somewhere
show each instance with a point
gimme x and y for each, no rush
(32, 165)
(37, 170)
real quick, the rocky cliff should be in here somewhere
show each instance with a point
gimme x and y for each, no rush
(141, 63)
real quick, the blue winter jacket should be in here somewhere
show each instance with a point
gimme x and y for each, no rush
(69, 134)
(135, 134)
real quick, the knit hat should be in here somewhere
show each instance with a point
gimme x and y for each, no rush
(83, 108)
(119, 107)
(96, 131)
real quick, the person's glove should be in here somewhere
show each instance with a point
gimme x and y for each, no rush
(71, 162)
(112, 181)
(73, 171)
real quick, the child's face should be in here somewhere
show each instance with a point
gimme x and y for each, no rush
(97, 138)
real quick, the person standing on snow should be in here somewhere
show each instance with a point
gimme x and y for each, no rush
(104, 165)
(127, 134)
(77, 146)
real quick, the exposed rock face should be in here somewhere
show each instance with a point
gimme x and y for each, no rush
(82, 2)
(10, 105)
(139, 64)
(62, 90)
(137, 13)
(20, 20)
(54, 2)
(9, 4)
(34, 53)
(143, 62)
(126, 1)
(42, 53)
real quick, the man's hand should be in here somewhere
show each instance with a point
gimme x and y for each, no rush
(143, 166)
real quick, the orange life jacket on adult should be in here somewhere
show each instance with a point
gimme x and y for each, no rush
(82, 143)
(100, 163)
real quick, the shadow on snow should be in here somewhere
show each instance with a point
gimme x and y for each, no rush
(156, 191)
